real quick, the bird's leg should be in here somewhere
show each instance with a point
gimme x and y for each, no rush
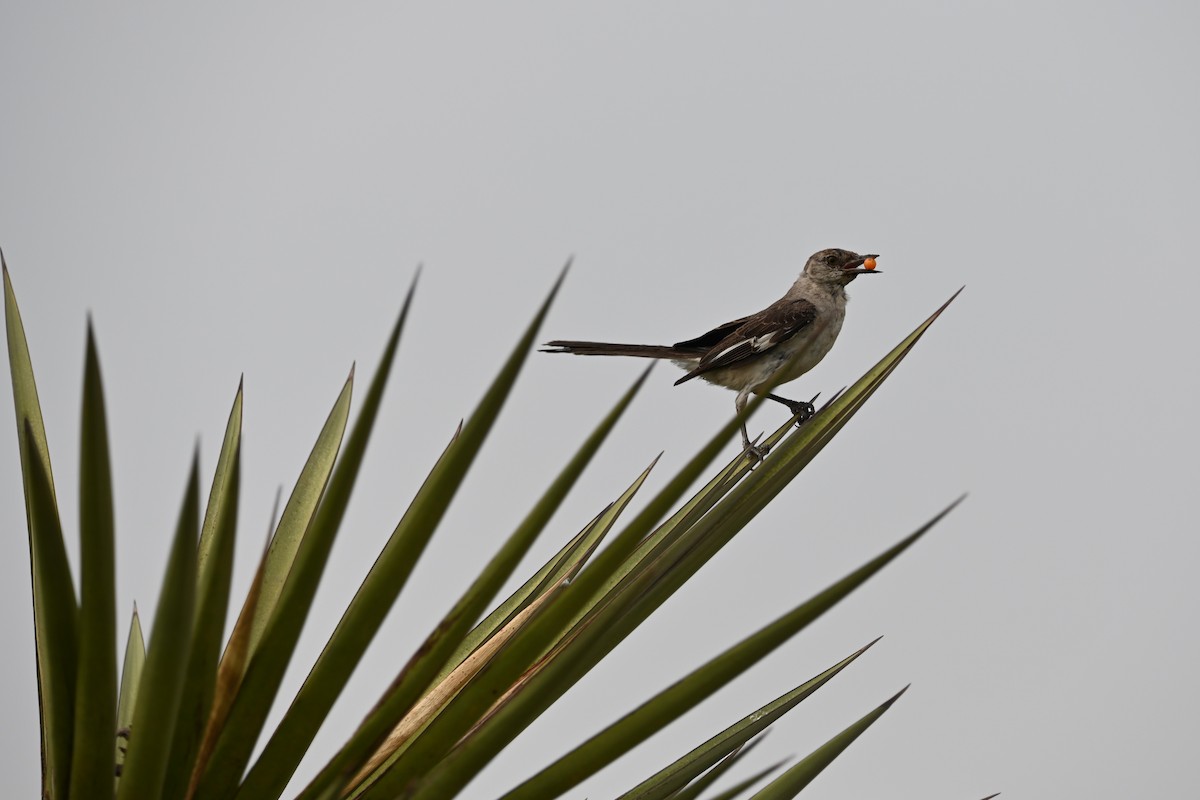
(752, 448)
(803, 410)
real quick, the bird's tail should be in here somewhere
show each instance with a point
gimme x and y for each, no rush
(609, 349)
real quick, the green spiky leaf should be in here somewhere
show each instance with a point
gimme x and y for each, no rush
(680, 772)
(161, 687)
(214, 567)
(55, 609)
(696, 788)
(796, 777)
(290, 597)
(408, 541)
(96, 681)
(131, 681)
(55, 619)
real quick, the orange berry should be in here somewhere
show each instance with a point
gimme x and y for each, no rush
(869, 263)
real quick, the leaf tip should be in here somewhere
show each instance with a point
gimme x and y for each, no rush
(558, 282)
(274, 522)
(941, 515)
(888, 703)
(408, 296)
(946, 304)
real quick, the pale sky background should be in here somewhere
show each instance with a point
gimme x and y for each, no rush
(249, 189)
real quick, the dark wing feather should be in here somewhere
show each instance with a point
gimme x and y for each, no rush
(706, 340)
(755, 335)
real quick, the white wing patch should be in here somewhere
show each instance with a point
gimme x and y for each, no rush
(760, 343)
(727, 351)
(757, 344)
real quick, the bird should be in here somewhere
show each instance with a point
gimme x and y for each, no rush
(753, 353)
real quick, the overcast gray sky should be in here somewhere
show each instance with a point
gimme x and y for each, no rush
(249, 189)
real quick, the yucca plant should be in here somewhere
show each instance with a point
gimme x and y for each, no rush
(190, 705)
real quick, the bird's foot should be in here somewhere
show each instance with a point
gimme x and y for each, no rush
(803, 411)
(753, 450)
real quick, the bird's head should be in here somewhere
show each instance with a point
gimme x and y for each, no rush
(837, 267)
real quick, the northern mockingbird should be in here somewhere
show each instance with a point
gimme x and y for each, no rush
(790, 336)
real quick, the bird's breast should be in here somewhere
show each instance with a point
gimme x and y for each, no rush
(806, 349)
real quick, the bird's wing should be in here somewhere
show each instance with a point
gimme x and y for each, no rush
(705, 341)
(755, 335)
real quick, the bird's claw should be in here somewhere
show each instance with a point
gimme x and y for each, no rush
(803, 411)
(755, 451)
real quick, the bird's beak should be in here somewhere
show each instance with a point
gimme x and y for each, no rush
(857, 268)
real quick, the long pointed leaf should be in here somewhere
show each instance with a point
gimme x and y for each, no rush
(214, 568)
(789, 784)
(684, 769)
(25, 395)
(743, 786)
(131, 680)
(668, 705)
(698, 505)
(264, 676)
(96, 681)
(298, 513)
(290, 741)
(222, 503)
(570, 567)
(290, 597)
(565, 565)
(676, 526)
(696, 788)
(54, 617)
(408, 541)
(295, 732)
(440, 694)
(552, 572)
(54, 605)
(163, 678)
(230, 671)
(563, 571)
